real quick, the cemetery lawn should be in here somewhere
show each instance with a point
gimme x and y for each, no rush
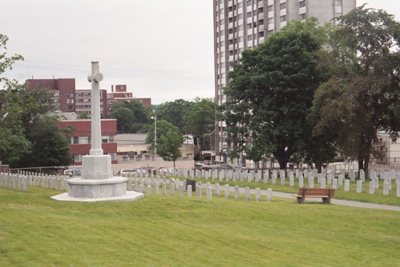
(182, 231)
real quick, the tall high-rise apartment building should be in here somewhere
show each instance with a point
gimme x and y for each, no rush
(244, 24)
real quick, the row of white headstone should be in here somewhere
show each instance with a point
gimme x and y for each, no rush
(159, 186)
(252, 175)
(21, 181)
(322, 181)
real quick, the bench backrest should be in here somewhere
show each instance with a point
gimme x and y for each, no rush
(316, 191)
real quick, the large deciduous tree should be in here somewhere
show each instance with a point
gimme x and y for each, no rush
(168, 140)
(200, 121)
(270, 93)
(362, 96)
(28, 137)
(174, 112)
(136, 118)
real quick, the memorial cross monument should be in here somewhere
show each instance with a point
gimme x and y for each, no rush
(97, 182)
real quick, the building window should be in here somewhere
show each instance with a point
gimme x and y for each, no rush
(283, 18)
(248, 2)
(338, 2)
(76, 140)
(270, 20)
(283, 6)
(250, 37)
(303, 16)
(83, 140)
(249, 14)
(270, 8)
(302, 3)
(77, 158)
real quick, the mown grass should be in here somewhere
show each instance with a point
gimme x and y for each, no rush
(182, 231)
(364, 196)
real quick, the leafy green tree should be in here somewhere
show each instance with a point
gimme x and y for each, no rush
(362, 96)
(200, 120)
(13, 147)
(124, 117)
(270, 93)
(169, 139)
(174, 112)
(28, 137)
(137, 119)
(83, 115)
(49, 144)
(169, 144)
(6, 62)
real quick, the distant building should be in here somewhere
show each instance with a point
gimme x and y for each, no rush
(120, 94)
(80, 139)
(63, 92)
(83, 102)
(67, 99)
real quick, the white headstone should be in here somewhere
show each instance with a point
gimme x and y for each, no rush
(359, 186)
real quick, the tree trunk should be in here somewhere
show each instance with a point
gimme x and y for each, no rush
(318, 165)
(282, 162)
(366, 165)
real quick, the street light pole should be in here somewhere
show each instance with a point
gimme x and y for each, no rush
(155, 138)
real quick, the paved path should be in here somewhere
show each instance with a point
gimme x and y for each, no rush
(333, 201)
(346, 203)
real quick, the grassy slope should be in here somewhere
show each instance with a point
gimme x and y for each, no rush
(182, 231)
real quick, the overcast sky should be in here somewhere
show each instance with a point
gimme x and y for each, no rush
(160, 49)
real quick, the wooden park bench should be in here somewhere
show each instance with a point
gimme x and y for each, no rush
(325, 193)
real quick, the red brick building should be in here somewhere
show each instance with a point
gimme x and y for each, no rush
(83, 102)
(68, 99)
(79, 141)
(121, 94)
(63, 91)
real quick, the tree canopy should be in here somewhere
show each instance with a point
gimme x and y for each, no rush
(174, 112)
(28, 136)
(362, 95)
(200, 120)
(168, 140)
(270, 93)
(131, 116)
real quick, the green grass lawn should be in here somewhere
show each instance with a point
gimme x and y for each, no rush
(182, 231)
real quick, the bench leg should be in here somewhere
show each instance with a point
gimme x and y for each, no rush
(326, 200)
(300, 200)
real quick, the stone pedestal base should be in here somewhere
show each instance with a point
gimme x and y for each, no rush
(96, 167)
(91, 190)
(96, 188)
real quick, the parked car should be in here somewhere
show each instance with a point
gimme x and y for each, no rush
(72, 172)
(126, 171)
